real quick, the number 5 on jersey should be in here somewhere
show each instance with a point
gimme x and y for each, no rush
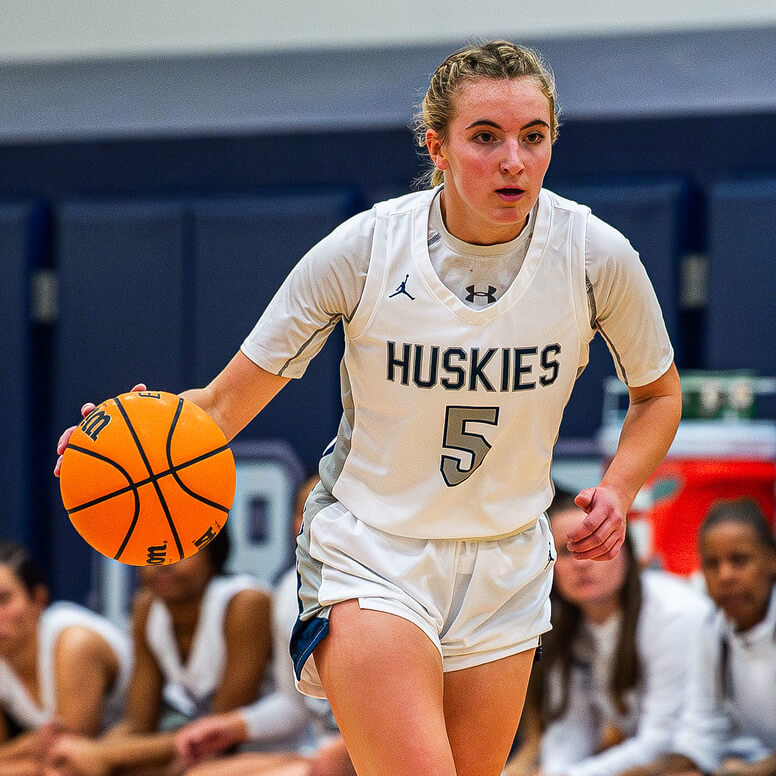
(457, 437)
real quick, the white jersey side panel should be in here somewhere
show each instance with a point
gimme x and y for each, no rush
(451, 413)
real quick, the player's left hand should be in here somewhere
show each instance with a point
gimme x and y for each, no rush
(73, 755)
(601, 534)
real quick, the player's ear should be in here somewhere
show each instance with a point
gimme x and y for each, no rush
(435, 151)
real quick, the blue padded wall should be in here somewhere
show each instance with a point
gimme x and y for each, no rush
(741, 312)
(652, 215)
(243, 250)
(122, 320)
(22, 228)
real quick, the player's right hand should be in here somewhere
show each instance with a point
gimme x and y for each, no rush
(210, 735)
(68, 432)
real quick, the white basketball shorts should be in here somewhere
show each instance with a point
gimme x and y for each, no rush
(477, 600)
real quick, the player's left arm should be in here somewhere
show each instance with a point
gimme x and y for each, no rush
(85, 668)
(237, 394)
(649, 428)
(248, 645)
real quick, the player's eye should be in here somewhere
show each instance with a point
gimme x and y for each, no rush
(534, 137)
(485, 137)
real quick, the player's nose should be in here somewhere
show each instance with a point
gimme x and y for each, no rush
(511, 162)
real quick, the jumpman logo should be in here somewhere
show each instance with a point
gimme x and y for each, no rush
(550, 559)
(490, 294)
(402, 289)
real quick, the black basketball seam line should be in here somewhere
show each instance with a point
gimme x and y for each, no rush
(181, 485)
(158, 490)
(132, 487)
(140, 483)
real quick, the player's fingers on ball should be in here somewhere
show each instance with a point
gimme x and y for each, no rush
(64, 439)
(87, 408)
(139, 387)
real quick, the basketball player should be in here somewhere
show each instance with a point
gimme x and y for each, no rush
(729, 725)
(201, 641)
(612, 681)
(292, 737)
(425, 560)
(59, 662)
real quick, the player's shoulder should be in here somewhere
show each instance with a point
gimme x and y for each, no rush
(601, 238)
(558, 202)
(63, 615)
(244, 594)
(406, 203)
(77, 642)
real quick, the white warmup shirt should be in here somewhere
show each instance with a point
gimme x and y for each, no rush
(281, 720)
(190, 686)
(16, 701)
(670, 613)
(458, 359)
(739, 718)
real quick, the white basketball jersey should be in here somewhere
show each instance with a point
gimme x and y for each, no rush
(451, 413)
(16, 700)
(190, 685)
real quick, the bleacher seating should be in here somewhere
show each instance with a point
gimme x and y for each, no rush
(741, 315)
(652, 215)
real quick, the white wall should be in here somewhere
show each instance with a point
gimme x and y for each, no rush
(32, 30)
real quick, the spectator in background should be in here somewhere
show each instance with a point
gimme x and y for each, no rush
(60, 662)
(201, 639)
(280, 722)
(729, 725)
(609, 689)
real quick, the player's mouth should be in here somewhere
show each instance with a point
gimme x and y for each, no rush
(510, 193)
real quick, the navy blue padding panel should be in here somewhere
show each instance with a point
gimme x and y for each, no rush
(652, 215)
(121, 321)
(741, 311)
(18, 223)
(244, 248)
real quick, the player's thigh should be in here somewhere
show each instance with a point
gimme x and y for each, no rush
(253, 764)
(482, 710)
(383, 679)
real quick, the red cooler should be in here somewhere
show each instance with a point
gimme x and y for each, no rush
(708, 461)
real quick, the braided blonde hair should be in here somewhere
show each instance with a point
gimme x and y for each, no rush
(497, 59)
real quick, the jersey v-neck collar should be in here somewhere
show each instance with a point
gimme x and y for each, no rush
(422, 261)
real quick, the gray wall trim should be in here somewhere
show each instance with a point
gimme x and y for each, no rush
(657, 74)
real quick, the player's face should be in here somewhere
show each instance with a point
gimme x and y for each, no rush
(739, 572)
(585, 583)
(19, 611)
(494, 157)
(179, 582)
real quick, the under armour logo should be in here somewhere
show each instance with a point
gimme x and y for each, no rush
(490, 294)
(402, 289)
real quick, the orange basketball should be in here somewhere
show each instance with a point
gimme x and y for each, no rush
(147, 478)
